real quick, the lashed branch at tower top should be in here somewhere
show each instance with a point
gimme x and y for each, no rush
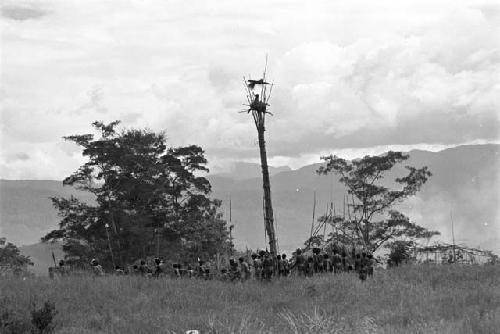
(258, 99)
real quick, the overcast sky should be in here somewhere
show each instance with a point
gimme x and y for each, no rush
(350, 77)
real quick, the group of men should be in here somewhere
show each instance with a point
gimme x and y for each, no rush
(159, 268)
(308, 265)
(260, 267)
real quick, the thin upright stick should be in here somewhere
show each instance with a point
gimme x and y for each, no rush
(110, 249)
(453, 235)
(312, 223)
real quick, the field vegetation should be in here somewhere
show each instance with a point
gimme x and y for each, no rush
(407, 299)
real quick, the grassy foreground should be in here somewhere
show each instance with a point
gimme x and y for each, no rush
(420, 299)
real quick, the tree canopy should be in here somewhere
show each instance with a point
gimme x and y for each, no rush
(372, 219)
(11, 259)
(149, 199)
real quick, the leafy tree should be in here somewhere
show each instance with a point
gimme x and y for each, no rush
(372, 220)
(11, 259)
(148, 198)
(492, 258)
(399, 252)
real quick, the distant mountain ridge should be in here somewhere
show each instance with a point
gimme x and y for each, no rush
(465, 184)
(26, 212)
(247, 170)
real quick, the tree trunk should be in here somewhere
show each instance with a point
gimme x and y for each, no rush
(268, 208)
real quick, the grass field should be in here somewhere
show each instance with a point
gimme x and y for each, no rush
(417, 299)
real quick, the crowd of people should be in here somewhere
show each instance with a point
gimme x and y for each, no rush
(260, 266)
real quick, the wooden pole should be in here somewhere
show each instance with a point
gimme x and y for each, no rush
(117, 234)
(157, 232)
(329, 218)
(343, 219)
(109, 245)
(312, 223)
(343, 210)
(277, 241)
(258, 107)
(231, 226)
(349, 218)
(268, 207)
(453, 237)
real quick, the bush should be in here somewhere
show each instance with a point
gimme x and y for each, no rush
(42, 319)
(12, 323)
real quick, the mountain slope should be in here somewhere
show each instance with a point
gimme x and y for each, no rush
(465, 183)
(245, 170)
(26, 212)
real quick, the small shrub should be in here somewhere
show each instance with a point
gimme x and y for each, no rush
(311, 290)
(42, 319)
(12, 323)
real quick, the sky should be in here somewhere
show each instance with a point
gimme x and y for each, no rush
(350, 77)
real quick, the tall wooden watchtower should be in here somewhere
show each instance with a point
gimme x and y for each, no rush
(258, 93)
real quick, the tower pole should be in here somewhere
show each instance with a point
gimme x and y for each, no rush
(268, 207)
(258, 96)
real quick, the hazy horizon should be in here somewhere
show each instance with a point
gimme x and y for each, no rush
(307, 161)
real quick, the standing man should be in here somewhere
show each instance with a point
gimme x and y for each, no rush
(176, 270)
(234, 270)
(157, 270)
(257, 265)
(317, 260)
(268, 266)
(280, 265)
(200, 270)
(286, 265)
(245, 269)
(336, 262)
(119, 271)
(362, 266)
(96, 268)
(143, 268)
(300, 262)
(371, 264)
(327, 264)
(345, 262)
(63, 268)
(309, 267)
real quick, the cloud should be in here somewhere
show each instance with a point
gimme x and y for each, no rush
(22, 13)
(94, 102)
(20, 156)
(347, 75)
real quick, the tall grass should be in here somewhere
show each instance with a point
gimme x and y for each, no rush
(413, 299)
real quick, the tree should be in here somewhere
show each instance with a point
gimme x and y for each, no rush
(150, 200)
(399, 252)
(374, 221)
(11, 259)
